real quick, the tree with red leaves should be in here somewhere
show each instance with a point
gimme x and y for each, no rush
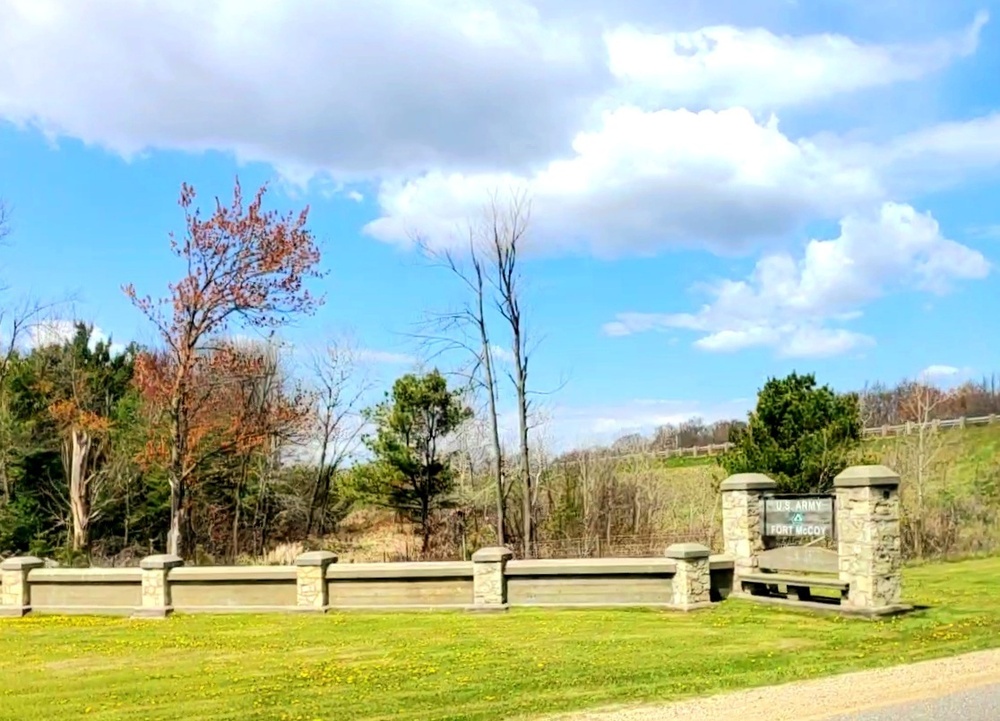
(243, 265)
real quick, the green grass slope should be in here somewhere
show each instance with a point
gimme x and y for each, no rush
(464, 666)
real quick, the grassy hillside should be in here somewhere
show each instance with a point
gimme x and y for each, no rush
(950, 488)
(960, 456)
(650, 501)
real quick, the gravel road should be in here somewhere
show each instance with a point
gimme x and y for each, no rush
(952, 689)
(978, 704)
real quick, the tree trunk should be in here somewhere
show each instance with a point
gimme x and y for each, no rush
(176, 543)
(178, 512)
(495, 438)
(522, 422)
(321, 489)
(79, 493)
(425, 524)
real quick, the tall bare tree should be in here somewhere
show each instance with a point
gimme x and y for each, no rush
(506, 232)
(467, 329)
(339, 385)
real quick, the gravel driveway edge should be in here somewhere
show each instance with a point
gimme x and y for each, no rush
(822, 698)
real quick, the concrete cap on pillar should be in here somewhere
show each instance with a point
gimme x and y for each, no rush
(316, 558)
(22, 563)
(748, 482)
(866, 476)
(687, 551)
(161, 562)
(493, 554)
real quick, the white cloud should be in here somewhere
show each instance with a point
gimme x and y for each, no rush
(355, 196)
(939, 371)
(647, 180)
(266, 80)
(724, 66)
(358, 88)
(941, 154)
(502, 354)
(370, 355)
(60, 331)
(796, 305)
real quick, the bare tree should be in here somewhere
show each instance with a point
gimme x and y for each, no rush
(260, 389)
(507, 229)
(4, 220)
(467, 329)
(917, 454)
(17, 322)
(339, 386)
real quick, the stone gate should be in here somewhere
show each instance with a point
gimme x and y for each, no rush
(865, 567)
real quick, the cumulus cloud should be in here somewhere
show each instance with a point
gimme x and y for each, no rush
(939, 371)
(356, 88)
(940, 155)
(643, 181)
(373, 89)
(724, 66)
(798, 305)
(60, 331)
(630, 139)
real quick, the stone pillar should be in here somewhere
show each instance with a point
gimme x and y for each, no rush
(868, 536)
(15, 594)
(489, 584)
(742, 520)
(156, 600)
(692, 583)
(310, 580)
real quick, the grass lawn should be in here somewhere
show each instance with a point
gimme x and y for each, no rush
(461, 665)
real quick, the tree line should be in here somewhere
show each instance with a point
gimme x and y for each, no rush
(879, 404)
(215, 447)
(205, 443)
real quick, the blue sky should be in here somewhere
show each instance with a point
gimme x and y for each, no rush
(721, 191)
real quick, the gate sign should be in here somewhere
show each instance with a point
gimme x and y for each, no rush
(811, 517)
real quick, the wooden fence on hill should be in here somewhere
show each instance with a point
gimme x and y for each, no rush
(903, 429)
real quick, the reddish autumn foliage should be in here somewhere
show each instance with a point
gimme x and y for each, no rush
(241, 263)
(238, 406)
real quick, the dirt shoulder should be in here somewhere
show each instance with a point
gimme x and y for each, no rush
(823, 698)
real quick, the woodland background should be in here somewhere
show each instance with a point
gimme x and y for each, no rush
(229, 450)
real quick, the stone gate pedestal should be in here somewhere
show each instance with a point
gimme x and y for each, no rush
(868, 537)
(742, 527)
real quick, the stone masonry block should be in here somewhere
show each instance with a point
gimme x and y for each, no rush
(489, 582)
(15, 594)
(868, 536)
(311, 586)
(742, 503)
(692, 583)
(156, 600)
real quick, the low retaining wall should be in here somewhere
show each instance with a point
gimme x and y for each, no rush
(686, 578)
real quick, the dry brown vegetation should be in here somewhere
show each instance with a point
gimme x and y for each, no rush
(625, 500)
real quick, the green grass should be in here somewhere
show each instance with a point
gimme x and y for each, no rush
(464, 666)
(962, 456)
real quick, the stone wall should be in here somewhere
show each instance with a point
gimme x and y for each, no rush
(684, 578)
